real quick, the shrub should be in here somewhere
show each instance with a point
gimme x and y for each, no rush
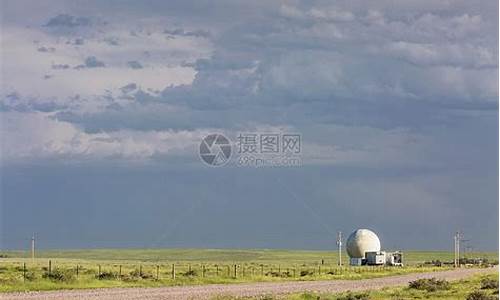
(30, 276)
(286, 274)
(59, 275)
(306, 273)
(309, 296)
(129, 278)
(138, 274)
(190, 273)
(267, 297)
(107, 276)
(489, 283)
(480, 295)
(430, 285)
(273, 274)
(354, 296)
(436, 263)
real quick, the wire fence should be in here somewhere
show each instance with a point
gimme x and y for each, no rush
(52, 269)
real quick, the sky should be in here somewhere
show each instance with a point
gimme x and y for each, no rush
(103, 106)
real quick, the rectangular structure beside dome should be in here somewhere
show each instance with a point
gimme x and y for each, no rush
(394, 258)
(375, 258)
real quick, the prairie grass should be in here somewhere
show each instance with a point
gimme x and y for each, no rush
(97, 268)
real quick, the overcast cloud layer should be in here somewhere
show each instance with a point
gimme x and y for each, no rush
(397, 105)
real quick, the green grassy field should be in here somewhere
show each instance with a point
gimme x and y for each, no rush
(226, 255)
(153, 267)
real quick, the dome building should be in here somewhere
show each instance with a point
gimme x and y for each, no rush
(363, 247)
(359, 243)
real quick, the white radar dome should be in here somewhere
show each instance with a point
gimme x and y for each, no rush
(362, 241)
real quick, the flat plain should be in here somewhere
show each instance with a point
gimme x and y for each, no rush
(99, 268)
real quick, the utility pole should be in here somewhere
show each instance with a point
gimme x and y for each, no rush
(339, 244)
(457, 249)
(33, 248)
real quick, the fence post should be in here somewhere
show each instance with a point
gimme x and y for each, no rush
(140, 270)
(319, 270)
(202, 270)
(157, 272)
(235, 275)
(173, 271)
(228, 271)
(261, 270)
(217, 270)
(50, 266)
(279, 269)
(77, 269)
(120, 272)
(24, 271)
(99, 272)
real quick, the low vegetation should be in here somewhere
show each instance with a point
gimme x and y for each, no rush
(467, 289)
(481, 295)
(153, 268)
(59, 275)
(489, 283)
(429, 284)
(472, 288)
(107, 276)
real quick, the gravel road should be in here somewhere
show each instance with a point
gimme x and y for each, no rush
(245, 289)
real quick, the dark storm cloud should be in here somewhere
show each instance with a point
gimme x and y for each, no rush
(182, 32)
(93, 62)
(404, 97)
(65, 20)
(134, 64)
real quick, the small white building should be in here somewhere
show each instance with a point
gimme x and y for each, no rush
(375, 258)
(394, 258)
(363, 247)
(356, 261)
